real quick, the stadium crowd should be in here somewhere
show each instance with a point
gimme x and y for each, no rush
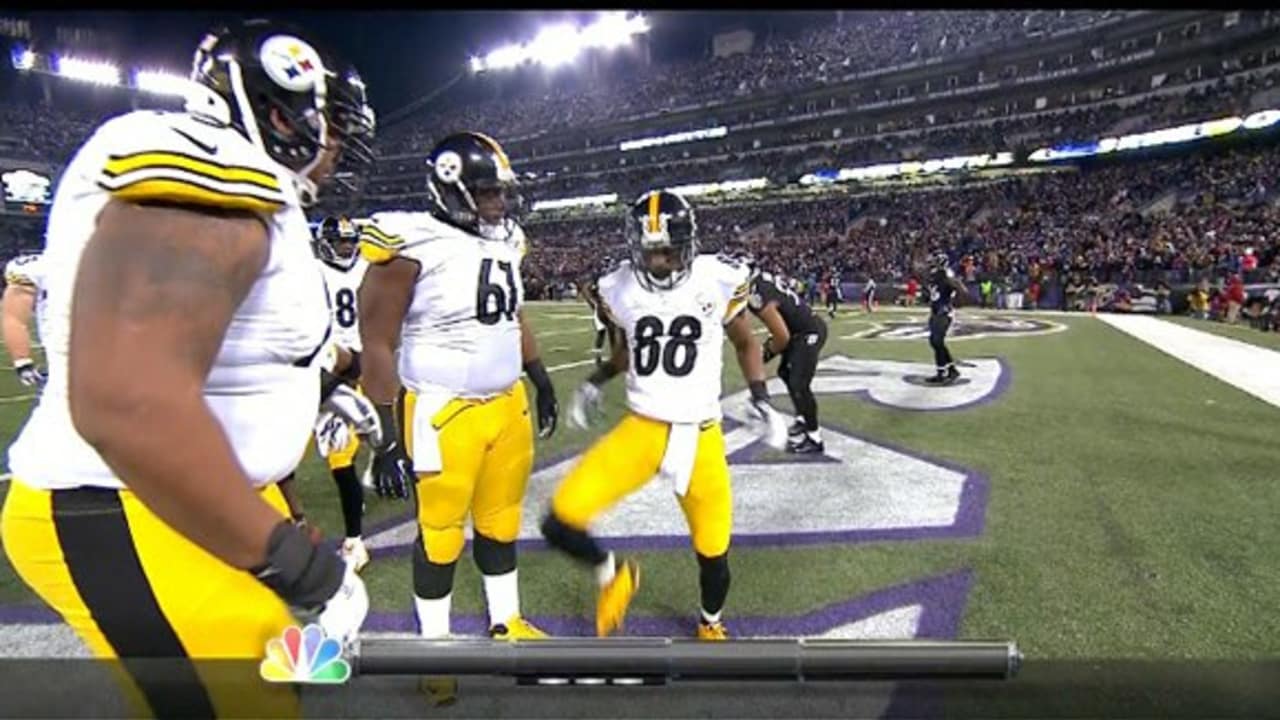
(861, 41)
(1073, 230)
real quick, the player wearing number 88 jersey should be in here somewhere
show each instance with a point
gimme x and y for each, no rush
(675, 308)
(335, 245)
(446, 283)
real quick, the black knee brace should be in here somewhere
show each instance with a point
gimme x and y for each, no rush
(493, 557)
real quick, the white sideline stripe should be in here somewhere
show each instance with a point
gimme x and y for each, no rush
(566, 366)
(16, 398)
(1250, 368)
(5, 477)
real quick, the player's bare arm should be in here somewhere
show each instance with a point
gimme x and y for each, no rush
(738, 330)
(779, 335)
(383, 301)
(155, 292)
(18, 301)
(384, 297)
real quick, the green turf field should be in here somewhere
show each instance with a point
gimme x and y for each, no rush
(1129, 506)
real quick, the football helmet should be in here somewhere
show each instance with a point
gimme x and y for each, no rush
(465, 169)
(329, 240)
(283, 93)
(661, 227)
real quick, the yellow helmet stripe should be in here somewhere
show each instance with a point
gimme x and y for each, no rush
(653, 213)
(503, 160)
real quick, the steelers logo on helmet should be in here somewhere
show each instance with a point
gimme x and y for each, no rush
(291, 62)
(449, 167)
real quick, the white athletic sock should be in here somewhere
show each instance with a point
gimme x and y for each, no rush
(710, 618)
(503, 595)
(605, 571)
(815, 435)
(433, 616)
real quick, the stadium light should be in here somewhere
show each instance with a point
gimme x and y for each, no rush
(560, 44)
(98, 73)
(161, 83)
(23, 58)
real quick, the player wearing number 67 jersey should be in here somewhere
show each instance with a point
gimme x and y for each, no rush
(675, 308)
(445, 284)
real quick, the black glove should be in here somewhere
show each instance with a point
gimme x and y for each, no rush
(299, 571)
(548, 408)
(28, 373)
(769, 354)
(392, 468)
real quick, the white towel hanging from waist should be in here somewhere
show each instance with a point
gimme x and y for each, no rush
(677, 461)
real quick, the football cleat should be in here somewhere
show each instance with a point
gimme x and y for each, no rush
(615, 598)
(806, 446)
(797, 428)
(517, 628)
(712, 631)
(354, 553)
(952, 375)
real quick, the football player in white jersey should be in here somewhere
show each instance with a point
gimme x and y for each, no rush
(673, 308)
(185, 324)
(21, 300)
(446, 286)
(336, 246)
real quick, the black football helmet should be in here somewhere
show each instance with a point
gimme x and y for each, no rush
(661, 223)
(333, 233)
(463, 165)
(258, 68)
(939, 261)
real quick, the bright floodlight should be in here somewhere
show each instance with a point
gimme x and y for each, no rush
(23, 59)
(99, 73)
(560, 44)
(161, 83)
(556, 45)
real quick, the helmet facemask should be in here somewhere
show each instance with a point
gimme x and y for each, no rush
(662, 253)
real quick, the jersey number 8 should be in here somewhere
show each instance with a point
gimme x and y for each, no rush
(345, 312)
(649, 348)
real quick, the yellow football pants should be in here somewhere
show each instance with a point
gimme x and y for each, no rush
(628, 457)
(132, 587)
(486, 451)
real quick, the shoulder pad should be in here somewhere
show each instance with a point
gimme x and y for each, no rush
(175, 158)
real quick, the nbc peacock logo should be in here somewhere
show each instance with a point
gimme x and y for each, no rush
(304, 656)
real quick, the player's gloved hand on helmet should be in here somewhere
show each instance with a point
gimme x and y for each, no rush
(766, 422)
(587, 405)
(28, 373)
(345, 402)
(317, 584)
(392, 468)
(548, 408)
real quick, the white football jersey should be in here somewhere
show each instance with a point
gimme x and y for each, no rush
(461, 334)
(676, 337)
(263, 387)
(29, 270)
(344, 288)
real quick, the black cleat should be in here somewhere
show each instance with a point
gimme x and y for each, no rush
(938, 379)
(951, 376)
(806, 446)
(796, 430)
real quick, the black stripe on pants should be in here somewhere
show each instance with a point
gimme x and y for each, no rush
(98, 548)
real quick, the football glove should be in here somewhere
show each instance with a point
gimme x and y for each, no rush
(392, 468)
(768, 353)
(767, 423)
(548, 408)
(357, 410)
(587, 405)
(28, 373)
(316, 584)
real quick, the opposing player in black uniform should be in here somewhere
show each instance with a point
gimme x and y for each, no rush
(942, 286)
(796, 335)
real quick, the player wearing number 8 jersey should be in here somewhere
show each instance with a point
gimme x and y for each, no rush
(675, 307)
(446, 285)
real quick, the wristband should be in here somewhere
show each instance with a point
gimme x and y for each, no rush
(758, 390)
(302, 574)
